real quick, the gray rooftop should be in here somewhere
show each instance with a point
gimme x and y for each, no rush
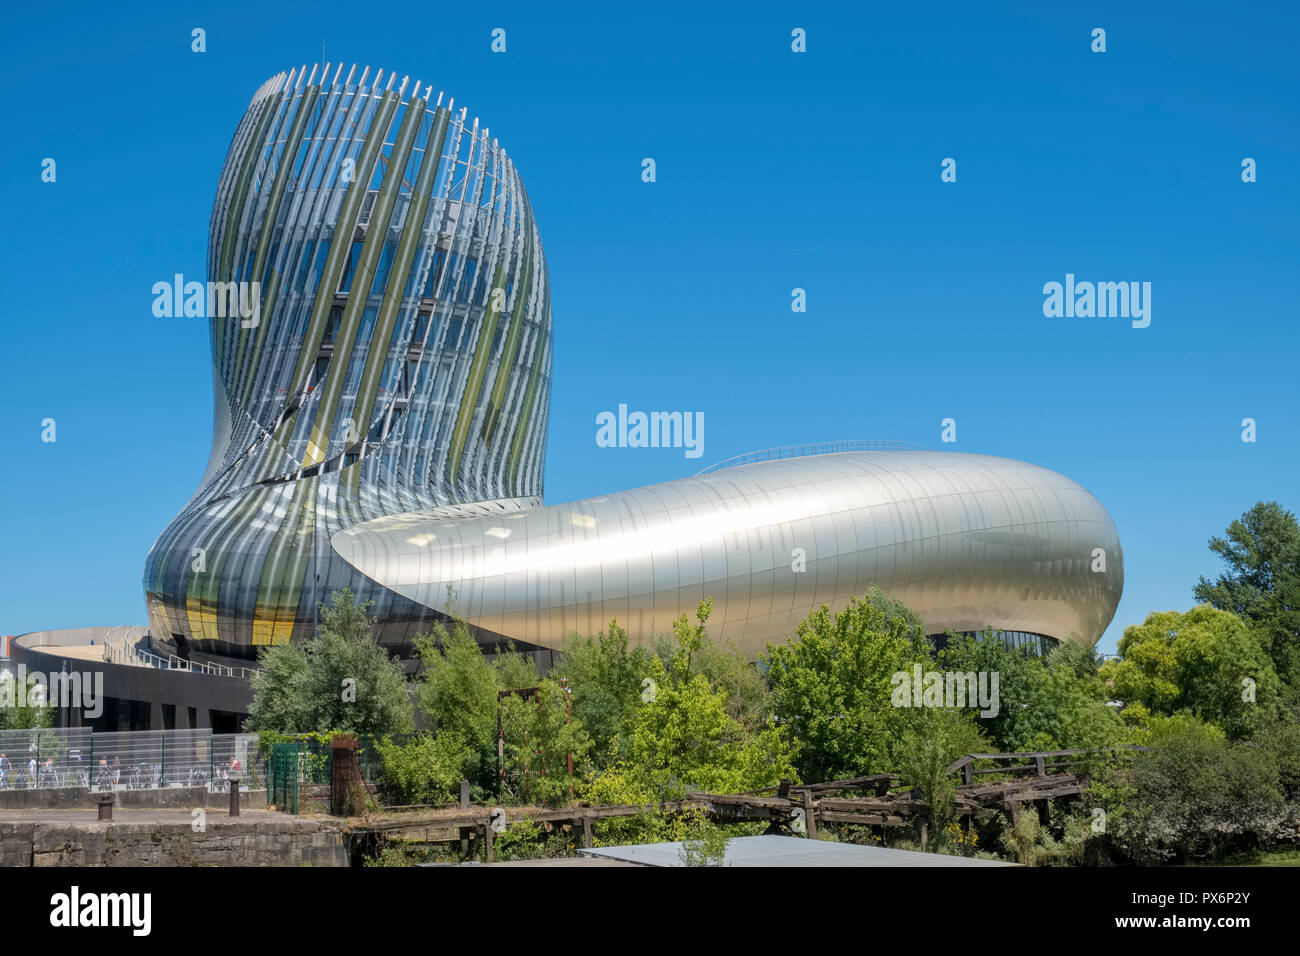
(786, 851)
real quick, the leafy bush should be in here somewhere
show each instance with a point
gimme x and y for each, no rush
(425, 770)
(831, 688)
(1196, 796)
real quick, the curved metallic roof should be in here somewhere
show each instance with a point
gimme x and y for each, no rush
(968, 541)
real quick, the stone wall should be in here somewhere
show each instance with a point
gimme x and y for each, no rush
(287, 842)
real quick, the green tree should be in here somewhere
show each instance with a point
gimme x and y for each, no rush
(707, 848)
(1057, 702)
(932, 738)
(23, 708)
(539, 739)
(605, 678)
(727, 668)
(515, 671)
(1262, 582)
(1205, 662)
(682, 738)
(457, 692)
(831, 690)
(1197, 795)
(341, 681)
(463, 693)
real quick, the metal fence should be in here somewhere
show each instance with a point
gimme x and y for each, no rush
(47, 758)
(308, 761)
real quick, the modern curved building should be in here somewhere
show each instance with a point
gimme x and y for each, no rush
(401, 356)
(382, 425)
(967, 541)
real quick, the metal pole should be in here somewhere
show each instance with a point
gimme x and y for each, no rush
(568, 715)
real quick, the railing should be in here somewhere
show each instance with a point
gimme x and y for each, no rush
(50, 758)
(806, 451)
(120, 651)
(1038, 766)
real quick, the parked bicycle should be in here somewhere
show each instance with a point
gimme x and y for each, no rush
(78, 770)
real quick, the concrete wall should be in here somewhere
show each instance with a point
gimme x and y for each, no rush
(125, 682)
(75, 636)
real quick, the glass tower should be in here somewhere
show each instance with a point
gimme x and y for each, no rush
(394, 353)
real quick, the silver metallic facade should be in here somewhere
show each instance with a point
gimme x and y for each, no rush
(967, 541)
(401, 358)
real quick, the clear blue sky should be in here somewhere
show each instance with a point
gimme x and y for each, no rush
(775, 170)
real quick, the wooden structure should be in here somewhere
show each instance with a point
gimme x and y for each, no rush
(879, 800)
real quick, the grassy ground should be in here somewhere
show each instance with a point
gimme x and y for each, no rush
(1288, 856)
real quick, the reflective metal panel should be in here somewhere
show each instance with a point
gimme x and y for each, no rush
(969, 541)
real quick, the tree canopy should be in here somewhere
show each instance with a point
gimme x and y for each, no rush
(1205, 662)
(1261, 584)
(342, 681)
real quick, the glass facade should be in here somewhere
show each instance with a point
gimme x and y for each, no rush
(1036, 644)
(401, 356)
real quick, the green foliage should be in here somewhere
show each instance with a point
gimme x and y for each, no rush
(423, 770)
(1279, 747)
(1196, 663)
(1032, 844)
(1262, 583)
(314, 754)
(539, 741)
(1198, 795)
(515, 671)
(707, 848)
(605, 677)
(831, 688)
(23, 708)
(1052, 703)
(931, 739)
(458, 695)
(281, 698)
(723, 666)
(342, 680)
(684, 739)
(528, 839)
